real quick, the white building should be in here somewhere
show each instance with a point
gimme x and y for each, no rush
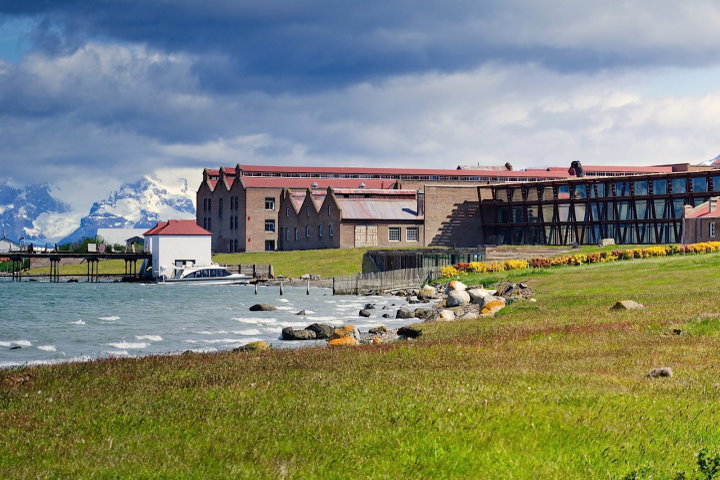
(177, 243)
(7, 245)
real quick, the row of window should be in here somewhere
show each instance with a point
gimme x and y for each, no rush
(234, 204)
(308, 232)
(412, 234)
(609, 189)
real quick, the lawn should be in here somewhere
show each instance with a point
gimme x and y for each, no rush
(551, 389)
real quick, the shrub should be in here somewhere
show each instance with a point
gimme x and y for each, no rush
(515, 264)
(448, 272)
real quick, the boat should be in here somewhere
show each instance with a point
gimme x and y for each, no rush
(205, 274)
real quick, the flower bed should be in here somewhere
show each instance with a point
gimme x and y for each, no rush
(580, 258)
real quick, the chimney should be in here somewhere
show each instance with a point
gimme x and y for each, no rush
(420, 203)
(713, 203)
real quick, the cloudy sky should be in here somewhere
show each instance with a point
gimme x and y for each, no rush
(114, 89)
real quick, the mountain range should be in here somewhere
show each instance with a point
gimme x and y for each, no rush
(35, 214)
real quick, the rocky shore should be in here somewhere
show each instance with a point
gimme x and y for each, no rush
(454, 301)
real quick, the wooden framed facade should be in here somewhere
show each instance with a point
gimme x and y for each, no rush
(637, 209)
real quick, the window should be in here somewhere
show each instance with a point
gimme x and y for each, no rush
(700, 184)
(205, 223)
(320, 231)
(412, 234)
(679, 185)
(331, 230)
(209, 224)
(205, 204)
(307, 231)
(287, 212)
(712, 229)
(220, 208)
(209, 205)
(394, 234)
(269, 203)
(307, 211)
(269, 225)
(269, 245)
(329, 210)
(659, 187)
(236, 245)
(232, 223)
(287, 234)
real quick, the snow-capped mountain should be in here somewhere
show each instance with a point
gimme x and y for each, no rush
(23, 210)
(713, 162)
(136, 205)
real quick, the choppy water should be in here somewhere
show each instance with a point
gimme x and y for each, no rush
(82, 321)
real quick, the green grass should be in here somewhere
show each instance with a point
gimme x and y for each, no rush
(552, 389)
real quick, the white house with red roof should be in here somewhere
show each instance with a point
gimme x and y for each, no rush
(176, 244)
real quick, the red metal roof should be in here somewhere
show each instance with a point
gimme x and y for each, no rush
(386, 171)
(300, 182)
(617, 169)
(177, 227)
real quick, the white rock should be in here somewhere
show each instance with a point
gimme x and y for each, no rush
(446, 316)
(457, 298)
(454, 286)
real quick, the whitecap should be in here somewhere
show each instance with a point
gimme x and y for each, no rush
(249, 331)
(77, 322)
(130, 345)
(152, 338)
(255, 320)
(209, 332)
(283, 300)
(109, 319)
(117, 352)
(224, 340)
(319, 318)
(285, 308)
(47, 348)
(19, 343)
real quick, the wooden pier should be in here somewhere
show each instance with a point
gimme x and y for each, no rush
(17, 260)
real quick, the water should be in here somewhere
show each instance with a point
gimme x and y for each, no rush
(82, 321)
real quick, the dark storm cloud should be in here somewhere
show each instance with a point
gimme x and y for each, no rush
(300, 44)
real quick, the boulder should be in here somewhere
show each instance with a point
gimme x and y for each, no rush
(507, 290)
(446, 315)
(413, 299)
(262, 307)
(364, 313)
(404, 313)
(454, 286)
(409, 332)
(386, 315)
(660, 372)
(378, 330)
(424, 313)
(457, 298)
(467, 316)
(627, 305)
(253, 347)
(477, 295)
(321, 330)
(369, 306)
(346, 331)
(427, 292)
(301, 312)
(289, 334)
(492, 307)
(343, 342)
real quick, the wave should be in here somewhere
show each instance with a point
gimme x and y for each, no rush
(47, 348)
(77, 322)
(255, 320)
(152, 338)
(114, 353)
(109, 319)
(130, 345)
(18, 343)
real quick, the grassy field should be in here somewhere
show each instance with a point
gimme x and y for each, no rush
(552, 389)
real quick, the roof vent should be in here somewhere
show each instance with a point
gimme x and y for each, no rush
(362, 185)
(314, 185)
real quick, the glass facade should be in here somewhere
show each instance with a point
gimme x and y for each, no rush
(642, 210)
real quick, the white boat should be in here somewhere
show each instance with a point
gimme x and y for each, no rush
(205, 274)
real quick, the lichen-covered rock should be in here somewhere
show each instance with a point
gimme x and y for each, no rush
(446, 315)
(427, 292)
(405, 313)
(660, 372)
(346, 331)
(262, 307)
(322, 330)
(289, 334)
(378, 330)
(253, 347)
(628, 305)
(424, 313)
(455, 285)
(344, 342)
(457, 298)
(492, 307)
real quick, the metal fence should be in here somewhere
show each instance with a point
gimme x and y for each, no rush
(367, 283)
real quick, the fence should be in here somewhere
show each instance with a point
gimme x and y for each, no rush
(367, 283)
(253, 270)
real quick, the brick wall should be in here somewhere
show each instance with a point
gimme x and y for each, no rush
(452, 216)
